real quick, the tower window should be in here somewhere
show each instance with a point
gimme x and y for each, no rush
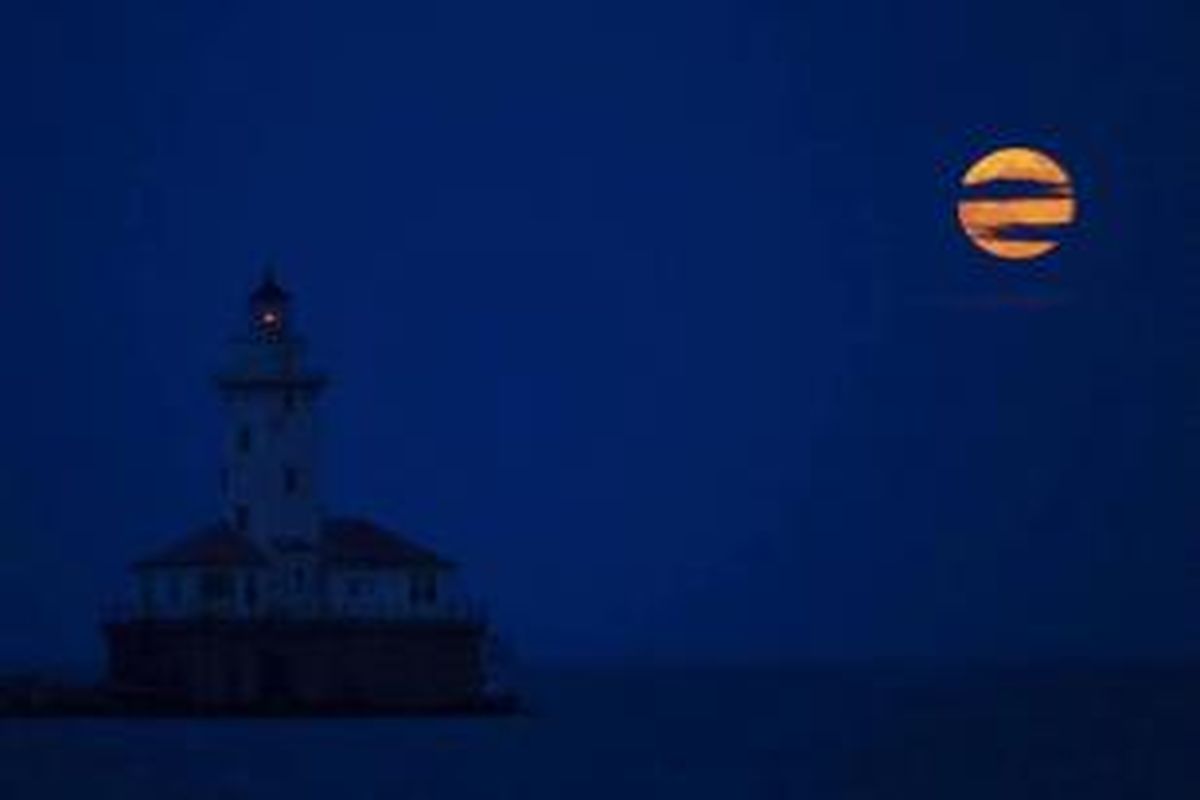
(251, 592)
(216, 585)
(243, 439)
(241, 517)
(291, 480)
(147, 592)
(422, 589)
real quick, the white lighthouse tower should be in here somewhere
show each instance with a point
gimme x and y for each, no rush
(269, 466)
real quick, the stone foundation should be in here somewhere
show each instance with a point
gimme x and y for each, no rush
(298, 665)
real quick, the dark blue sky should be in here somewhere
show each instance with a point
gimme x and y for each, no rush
(655, 314)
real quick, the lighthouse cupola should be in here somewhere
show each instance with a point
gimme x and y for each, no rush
(269, 309)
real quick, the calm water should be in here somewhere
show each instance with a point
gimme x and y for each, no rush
(694, 734)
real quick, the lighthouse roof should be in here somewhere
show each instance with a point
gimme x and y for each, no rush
(344, 542)
(360, 542)
(214, 545)
(268, 290)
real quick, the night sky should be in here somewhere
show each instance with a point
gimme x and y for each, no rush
(655, 315)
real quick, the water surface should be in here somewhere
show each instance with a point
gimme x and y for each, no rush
(704, 733)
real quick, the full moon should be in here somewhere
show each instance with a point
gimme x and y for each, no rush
(1014, 202)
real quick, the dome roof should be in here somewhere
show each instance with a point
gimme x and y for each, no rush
(268, 290)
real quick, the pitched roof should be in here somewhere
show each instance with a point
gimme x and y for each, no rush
(360, 542)
(344, 542)
(215, 545)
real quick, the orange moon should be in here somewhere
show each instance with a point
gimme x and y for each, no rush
(1014, 203)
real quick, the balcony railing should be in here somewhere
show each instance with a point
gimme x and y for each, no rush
(448, 611)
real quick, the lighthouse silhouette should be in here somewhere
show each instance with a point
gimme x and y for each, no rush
(278, 606)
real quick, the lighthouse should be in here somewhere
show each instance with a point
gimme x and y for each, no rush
(269, 481)
(277, 604)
